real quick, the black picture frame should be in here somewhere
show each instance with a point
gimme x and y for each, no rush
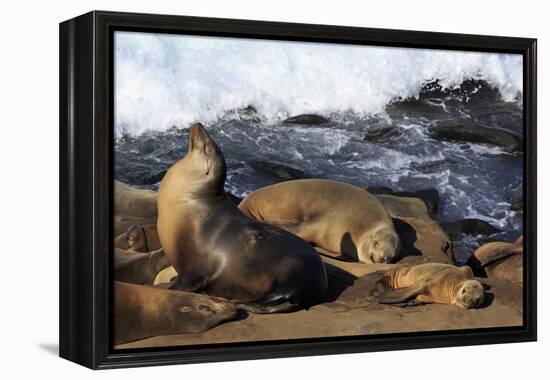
(86, 187)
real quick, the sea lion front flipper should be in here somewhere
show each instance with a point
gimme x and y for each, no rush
(401, 295)
(413, 302)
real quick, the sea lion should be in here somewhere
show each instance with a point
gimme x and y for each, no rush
(218, 250)
(135, 202)
(141, 311)
(138, 268)
(121, 223)
(499, 260)
(335, 216)
(139, 238)
(427, 283)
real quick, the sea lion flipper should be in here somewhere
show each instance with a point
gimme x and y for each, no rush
(136, 239)
(397, 296)
(498, 256)
(273, 303)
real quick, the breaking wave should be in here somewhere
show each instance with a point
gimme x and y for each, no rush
(172, 80)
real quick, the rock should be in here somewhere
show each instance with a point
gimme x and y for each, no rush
(422, 237)
(379, 190)
(429, 196)
(235, 199)
(345, 312)
(141, 175)
(277, 170)
(477, 134)
(306, 119)
(404, 206)
(248, 114)
(468, 226)
(381, 133)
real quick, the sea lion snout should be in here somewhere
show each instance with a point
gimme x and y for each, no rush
(199, 138)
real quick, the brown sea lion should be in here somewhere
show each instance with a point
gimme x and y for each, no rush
(218, 250)
(428, 283)
(141, 311)
(499, 260)
(138, 268)
(139, 238)
(135, 202)
(335, 216)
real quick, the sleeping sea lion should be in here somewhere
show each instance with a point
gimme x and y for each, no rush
(135, 202)
(139, 238)
(138, 268)
(218, 250)
(428, 283)
(141, 311)
(499, 260)
(335, 216)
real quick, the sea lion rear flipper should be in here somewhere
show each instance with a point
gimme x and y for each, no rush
(401, 295)
(273, 303)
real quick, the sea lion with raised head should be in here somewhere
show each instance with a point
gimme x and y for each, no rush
(141, 312)
(218, 250)
(427, 283)
(335, 216)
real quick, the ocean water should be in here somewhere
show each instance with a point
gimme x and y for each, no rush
(242, 90)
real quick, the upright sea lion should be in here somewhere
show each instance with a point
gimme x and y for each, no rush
(499, 260)
(141, 312)
(428, 283)
(139, 238)
(138, 268)
(218, 250)
(335, 216)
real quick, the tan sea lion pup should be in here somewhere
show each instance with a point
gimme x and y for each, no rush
(428, 283)
(499, 260)
(218, 250)
(141, 312)
(139, 238)
(335, 216)
(138, 268)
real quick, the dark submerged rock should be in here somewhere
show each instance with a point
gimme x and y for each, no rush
(307, 119)
(277, 170)
(470, 133)
(381, 133)
(235, 199)
(469, 227)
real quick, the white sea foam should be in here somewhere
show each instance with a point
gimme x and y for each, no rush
(164, 80)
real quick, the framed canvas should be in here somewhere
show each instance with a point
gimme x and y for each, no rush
(235, 189)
